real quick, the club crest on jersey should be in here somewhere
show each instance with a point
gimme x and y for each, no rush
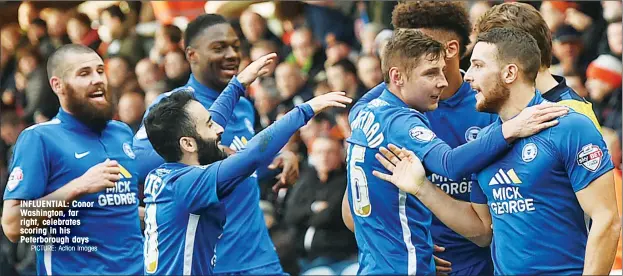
(529, 152)
(590, 157)
(17, 175)
(471, 133)
(128, 150)
(421, 134)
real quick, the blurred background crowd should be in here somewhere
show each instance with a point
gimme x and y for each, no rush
(322, 46)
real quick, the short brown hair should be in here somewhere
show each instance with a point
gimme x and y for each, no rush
(440, 15)
(515, 46)
(406, 47)
(521, 16)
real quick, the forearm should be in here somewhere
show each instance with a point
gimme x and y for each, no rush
(223, 107)
(467, 158)
(11, 215)
(346, 215)
(601, 246)
(265, 145)
(460, 216)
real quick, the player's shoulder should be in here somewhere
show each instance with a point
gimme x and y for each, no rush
(405, 116)
(191, 173)
(167, 94)
(574, 121)
(53, 124)
(488, 129)
(120, 127)
(41, 130)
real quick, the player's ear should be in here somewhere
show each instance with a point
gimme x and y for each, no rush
(188, 144)
(56, 84)
(396, 77)
(452, 48)
(191, 55)
(510, 73)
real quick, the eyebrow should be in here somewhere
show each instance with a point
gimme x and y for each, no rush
(432, 70)
(83, 68)
(225, 41)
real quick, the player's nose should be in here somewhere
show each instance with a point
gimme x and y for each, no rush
(468, 76)
(219, 129)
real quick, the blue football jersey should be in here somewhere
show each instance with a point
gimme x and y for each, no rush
(246, 243)
(49, 155)
(456, 121)
(183, 219)
(538, 223)
(392, 226)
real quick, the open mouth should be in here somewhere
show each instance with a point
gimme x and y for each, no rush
(98, 95)
(230, 69)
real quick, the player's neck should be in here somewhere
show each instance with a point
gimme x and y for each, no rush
(519, 98)
(200, 78)
(190, 160)
(396, 91)
(545, 81)
(455, 80)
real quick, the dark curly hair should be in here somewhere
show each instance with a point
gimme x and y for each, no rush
(448, 16)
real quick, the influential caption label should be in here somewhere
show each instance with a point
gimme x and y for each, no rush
(51, 225)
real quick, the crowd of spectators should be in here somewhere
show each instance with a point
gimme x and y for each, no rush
(322, 46)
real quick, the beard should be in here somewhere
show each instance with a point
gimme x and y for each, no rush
(208, 151)
(495, 98)
(94, 116)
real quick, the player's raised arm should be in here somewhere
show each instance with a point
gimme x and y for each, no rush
(223, 107)
(266, 144)
(473, 156)
(406, 172)
(347, 217)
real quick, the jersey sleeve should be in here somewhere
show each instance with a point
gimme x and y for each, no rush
(440, 158)
(582, 150)
(477, 195)
(223, 107)
(197, 189)
(29, 168)
(409, 130)
(262, 148)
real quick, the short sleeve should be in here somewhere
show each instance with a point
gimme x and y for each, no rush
(582, 150)
(477, 195)
(29, 168)
(196, 189)
(408, 130)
